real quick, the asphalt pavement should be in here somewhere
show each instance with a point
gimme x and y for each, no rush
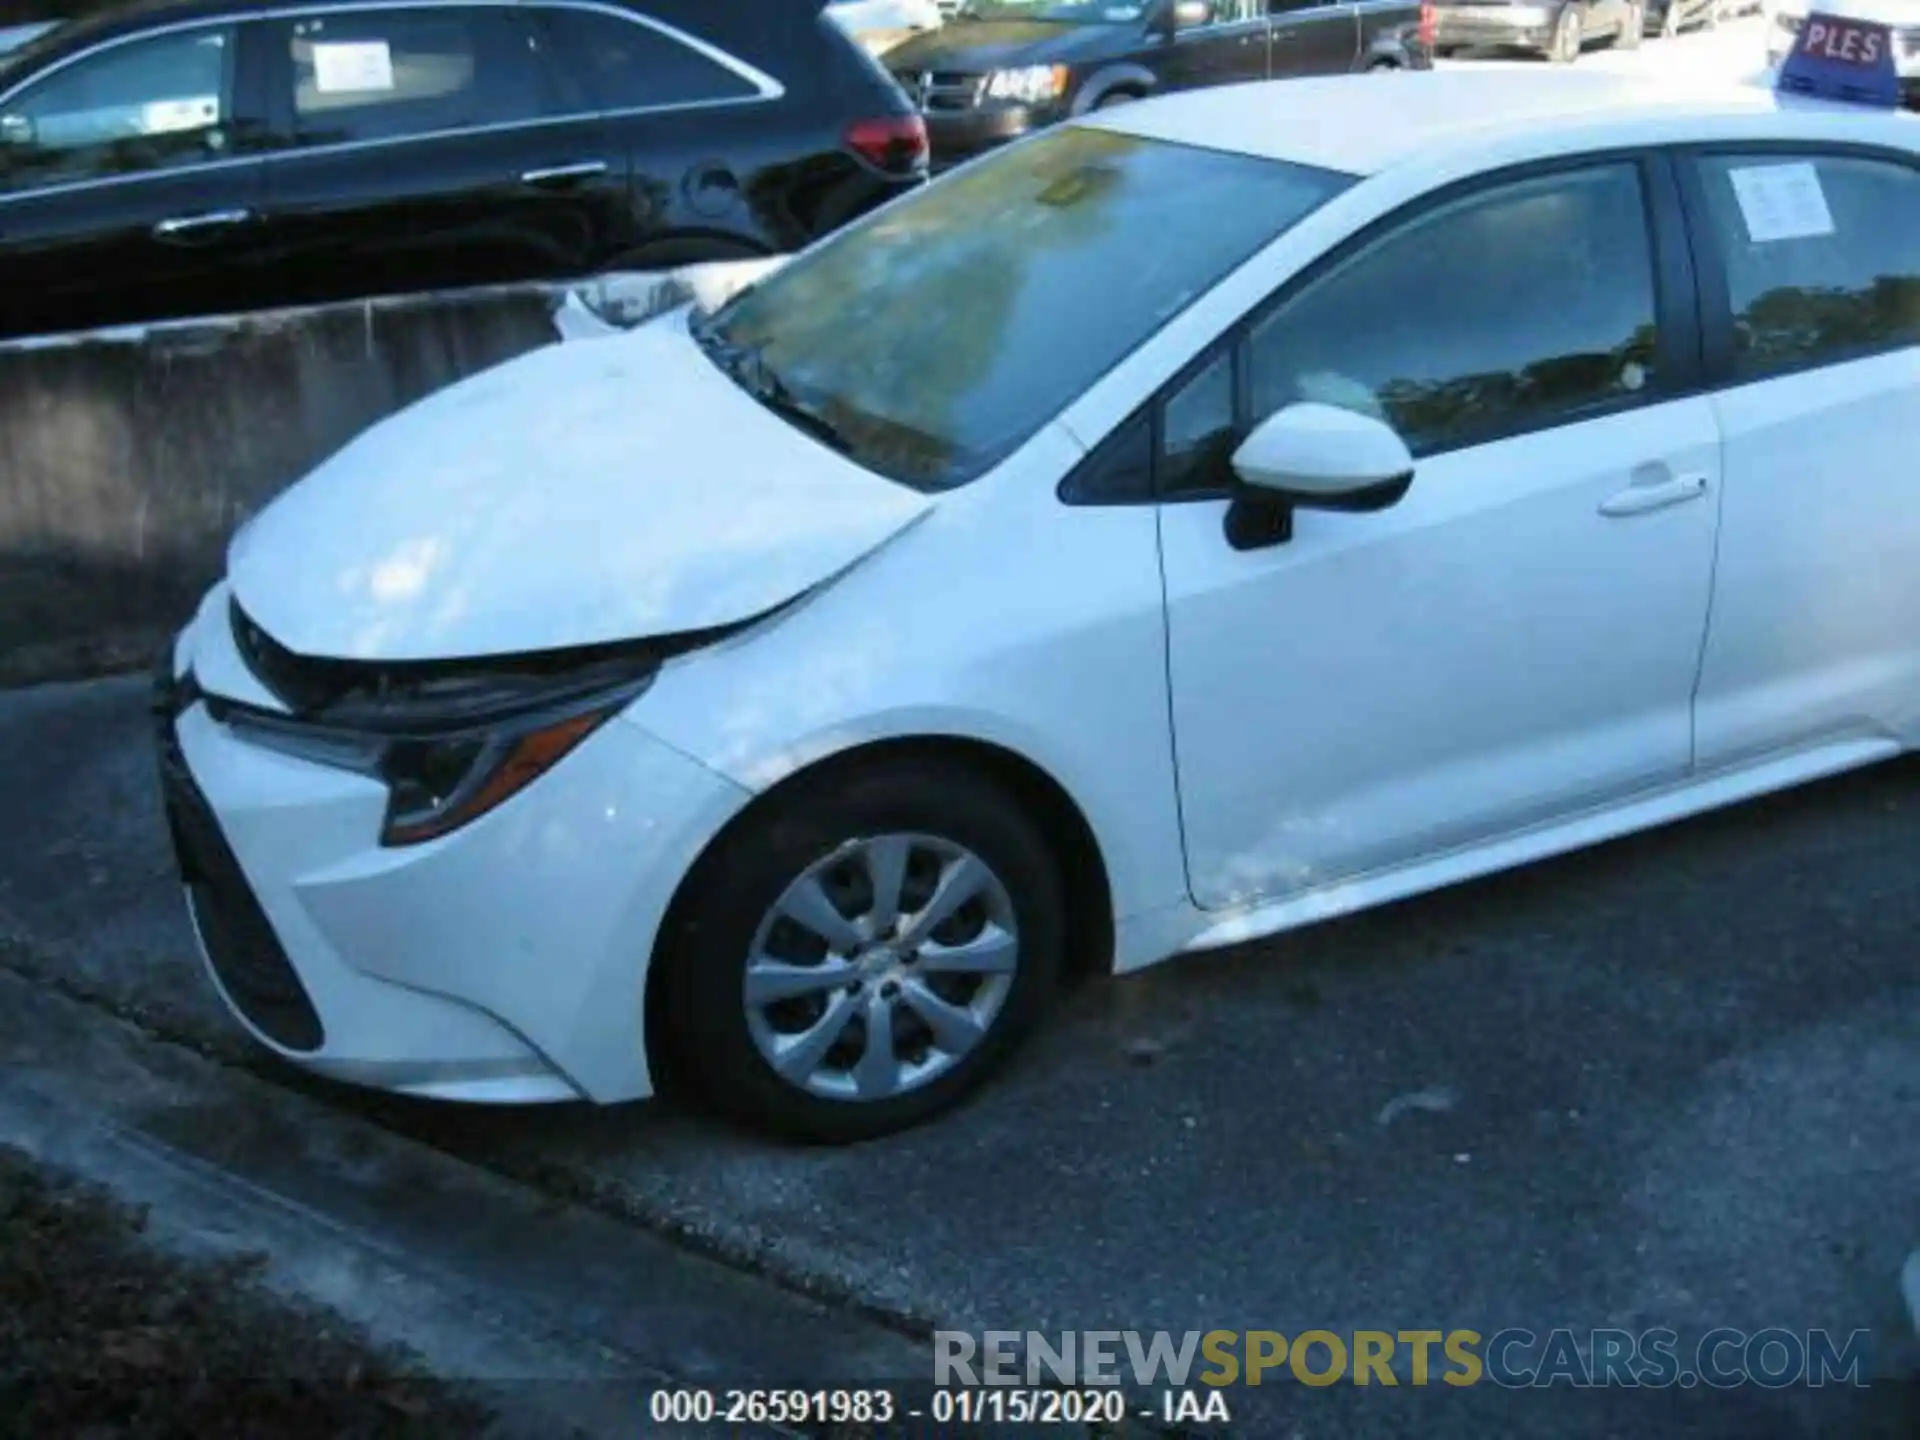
(1670, 1082)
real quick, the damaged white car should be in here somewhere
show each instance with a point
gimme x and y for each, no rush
(1140, 540)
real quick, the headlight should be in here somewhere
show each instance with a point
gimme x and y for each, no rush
(1029, 85)
(439, 779)
(450, 740)
(436, 784)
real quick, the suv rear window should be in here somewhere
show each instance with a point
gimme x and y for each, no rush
(627, 65)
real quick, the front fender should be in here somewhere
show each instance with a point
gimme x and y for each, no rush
(1104, 81)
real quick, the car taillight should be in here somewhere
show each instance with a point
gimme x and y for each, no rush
(1429, 22)
(894, 143)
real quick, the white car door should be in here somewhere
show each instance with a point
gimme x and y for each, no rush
(1815, 641)
(1517, 639)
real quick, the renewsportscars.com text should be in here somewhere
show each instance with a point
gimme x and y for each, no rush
(1514, 1358)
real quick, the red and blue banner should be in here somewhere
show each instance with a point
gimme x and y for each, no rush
(1839, 57)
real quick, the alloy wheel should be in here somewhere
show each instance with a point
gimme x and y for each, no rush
(881, 967)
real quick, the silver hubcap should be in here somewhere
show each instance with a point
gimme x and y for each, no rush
(881, 967)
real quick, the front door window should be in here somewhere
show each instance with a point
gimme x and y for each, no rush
(144, 106)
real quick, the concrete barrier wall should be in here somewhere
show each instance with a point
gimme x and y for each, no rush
(128, 458)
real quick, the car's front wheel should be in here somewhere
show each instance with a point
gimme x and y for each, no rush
(859, 953)
(1569, 36)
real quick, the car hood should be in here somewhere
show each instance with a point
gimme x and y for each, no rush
(584, 493)
(974, 47)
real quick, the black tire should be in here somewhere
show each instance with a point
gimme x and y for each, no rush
(704, 952)
(1569, 35)
(1382, 67)
(1635, 29)
(1115, 97)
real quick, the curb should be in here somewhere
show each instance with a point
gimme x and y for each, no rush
(562, 1320)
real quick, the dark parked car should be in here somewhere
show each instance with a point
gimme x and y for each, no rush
(187, 157)
(1002, 68)
(1558, 29)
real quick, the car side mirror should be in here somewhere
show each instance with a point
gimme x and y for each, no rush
(1313, 457)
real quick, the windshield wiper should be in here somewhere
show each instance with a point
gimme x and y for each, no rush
(747, 367)
(781, 401)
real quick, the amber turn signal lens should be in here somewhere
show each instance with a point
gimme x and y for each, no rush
(502, 771)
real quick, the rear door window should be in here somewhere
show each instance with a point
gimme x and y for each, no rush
(628, 65)
(371, 75)
(1822, 256)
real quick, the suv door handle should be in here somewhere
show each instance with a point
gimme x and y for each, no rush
(559, 174)
(1654, 487)
(181, 227)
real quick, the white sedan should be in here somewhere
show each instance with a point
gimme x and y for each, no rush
(1192, 523)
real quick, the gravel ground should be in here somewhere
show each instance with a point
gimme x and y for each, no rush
(103, 1337)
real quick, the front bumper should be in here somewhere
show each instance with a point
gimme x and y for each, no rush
(504, 963)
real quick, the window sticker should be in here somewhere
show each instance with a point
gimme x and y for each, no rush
(164, 117)
(352, 65)
(1781, 202)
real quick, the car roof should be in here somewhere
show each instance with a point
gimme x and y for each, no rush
(1363, 124)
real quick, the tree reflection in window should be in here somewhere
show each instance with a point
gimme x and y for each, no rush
(1502, 312)
(940, 334)
(1822, 299)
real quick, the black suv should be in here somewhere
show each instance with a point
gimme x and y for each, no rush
(189, 157)
(1001, 68)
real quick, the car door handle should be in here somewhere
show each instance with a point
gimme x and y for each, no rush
(560, 174)
(182, 227)
(1655, 489)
